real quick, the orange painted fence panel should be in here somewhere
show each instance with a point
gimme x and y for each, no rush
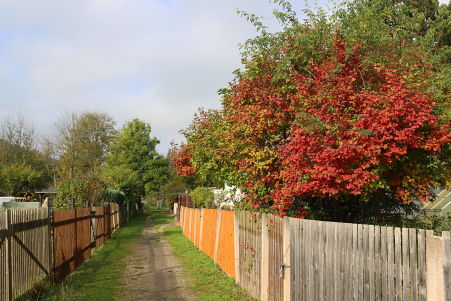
(226, 244)
(225, 255)
(192, 224)
(186, 222)
(210, 218)
(198, 222)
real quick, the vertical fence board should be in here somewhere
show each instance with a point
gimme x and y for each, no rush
(300, 246)
(366, 274)
(293, 259)
(446, 264)
(355, 278)
(377, 261)
(100, 226)
(398, 264)
(198, 224)
(83, 250)
(63, 243)
(384, 259)
(405, 263)
(422, 264)
(226, 249)
(413, 264)
(324, 264)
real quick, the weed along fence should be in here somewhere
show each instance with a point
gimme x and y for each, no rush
(25, 244)
(292, 259)
(24, 250)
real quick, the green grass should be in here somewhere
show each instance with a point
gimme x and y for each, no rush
(209, 281)
(99, 277)
(161, 218)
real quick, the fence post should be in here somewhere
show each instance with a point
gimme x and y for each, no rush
(236, 232)
(9, 280)
(76, 239)
(51, 276)
(190, 223)
(218, 228)
(286, 259)
(201, 227)
(446, 264)
(195, 227)
(265, 257)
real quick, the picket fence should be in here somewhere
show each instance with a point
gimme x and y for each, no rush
(24, 250)
(294, 259)
(26, 245)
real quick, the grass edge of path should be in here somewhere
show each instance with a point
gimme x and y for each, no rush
(209, 281)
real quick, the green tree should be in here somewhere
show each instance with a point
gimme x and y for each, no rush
(134, 149)
(81, 140)
(82, 187)
(22, 165)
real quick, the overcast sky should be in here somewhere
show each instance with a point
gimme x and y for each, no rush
(156, 60)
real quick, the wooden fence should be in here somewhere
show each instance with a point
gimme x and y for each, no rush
(184, 200)
(294, 259)
(24, 250)
(72, 232)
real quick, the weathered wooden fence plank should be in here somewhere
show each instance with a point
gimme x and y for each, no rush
(446, 264)
(413, 265)
(377, 262)
(384, 259)
(398, 263)
(405, 263)
(422, 264)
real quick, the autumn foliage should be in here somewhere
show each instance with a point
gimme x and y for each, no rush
(335, 133)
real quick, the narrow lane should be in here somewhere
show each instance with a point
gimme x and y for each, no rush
(152, 272)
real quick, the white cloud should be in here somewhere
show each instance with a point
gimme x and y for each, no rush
(158, 60)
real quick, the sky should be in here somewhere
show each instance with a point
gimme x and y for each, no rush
(156, 60)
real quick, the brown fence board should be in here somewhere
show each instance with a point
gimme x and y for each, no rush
(107, 221)
(99, 226)
(72, 236)
(83, 228)
(114, 217)
(63, 243)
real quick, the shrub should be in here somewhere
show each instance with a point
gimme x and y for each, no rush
(200, 195)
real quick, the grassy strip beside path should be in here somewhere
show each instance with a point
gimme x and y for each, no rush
(100, 276)
(209, 281)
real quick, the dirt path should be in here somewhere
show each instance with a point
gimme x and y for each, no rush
(152, 272)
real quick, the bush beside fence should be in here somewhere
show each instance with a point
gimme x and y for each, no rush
(294, 259)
